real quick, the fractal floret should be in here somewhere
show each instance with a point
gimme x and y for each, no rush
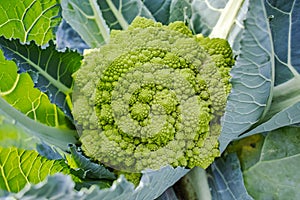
(153, 96)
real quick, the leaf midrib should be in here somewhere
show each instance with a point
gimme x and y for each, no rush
(27, 32)
(61, 87)
(99, 20)
(52, 135)
(123, 23)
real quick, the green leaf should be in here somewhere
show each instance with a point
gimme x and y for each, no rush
(286, 95)
(56, 186)
(206, 15)
(86, 18)
(19, 167)
(180, 10)
(285, 25)
(51, 135)
(286, 117)
(118, 14)
(61, 186)
(285, 106)
(50, 152)
(15, 127)
(50, 70)
(99, 17)
(252, 77)
(91, 170)
(18, 90)
(160, 9)
(153, 183)
(271, 170)
(29, 20)
(226, 179)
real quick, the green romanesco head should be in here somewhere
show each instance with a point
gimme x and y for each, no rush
(221, 53)
(152, 96)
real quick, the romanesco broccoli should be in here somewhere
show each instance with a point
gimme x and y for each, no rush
(153, 96)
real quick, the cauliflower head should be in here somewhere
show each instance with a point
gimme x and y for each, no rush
(152, 96)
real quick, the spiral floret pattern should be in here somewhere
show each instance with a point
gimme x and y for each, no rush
(151, 97)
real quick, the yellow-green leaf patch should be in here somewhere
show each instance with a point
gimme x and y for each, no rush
(19, 167)
(29, 20)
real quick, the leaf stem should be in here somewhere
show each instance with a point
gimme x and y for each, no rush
(56, 136)
(227, 19)
(99, 20)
